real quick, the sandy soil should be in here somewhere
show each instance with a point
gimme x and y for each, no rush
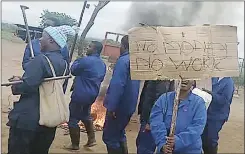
(231, 137)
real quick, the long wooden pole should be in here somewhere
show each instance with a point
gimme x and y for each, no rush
(71, 54)
(76, 36)
(175, 110)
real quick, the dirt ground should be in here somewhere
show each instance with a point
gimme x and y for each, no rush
(231, 137)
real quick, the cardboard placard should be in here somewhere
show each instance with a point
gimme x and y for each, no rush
(193, 52)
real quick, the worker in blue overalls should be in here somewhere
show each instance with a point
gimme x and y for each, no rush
(89, 72)
(37, 50)
(218, 112)
(190, 122)
(151, 91)
(120, 102)
(26, 136)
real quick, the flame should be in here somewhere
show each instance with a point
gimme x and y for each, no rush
(98, 112)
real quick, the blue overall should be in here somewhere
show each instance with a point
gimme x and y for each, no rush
(218, 110)
(151, 91)
(121, 98)
(190, 122)
(89, 73)
(26, 136)
(37, 50)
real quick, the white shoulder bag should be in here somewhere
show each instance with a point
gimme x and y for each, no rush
(206, 96)
(53, 108)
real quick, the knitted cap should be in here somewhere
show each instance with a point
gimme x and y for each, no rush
(59, 34)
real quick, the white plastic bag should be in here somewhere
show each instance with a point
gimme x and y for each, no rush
(206, 96)
(53, 108)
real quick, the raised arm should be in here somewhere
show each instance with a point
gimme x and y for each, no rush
(78, 66)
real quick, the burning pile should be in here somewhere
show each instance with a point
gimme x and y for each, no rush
(98, 112)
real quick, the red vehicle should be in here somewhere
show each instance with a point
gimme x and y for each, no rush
(111, 48)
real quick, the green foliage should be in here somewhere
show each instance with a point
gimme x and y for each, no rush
(62, 18)
(78, 46)
(7, 33)
(239, 80)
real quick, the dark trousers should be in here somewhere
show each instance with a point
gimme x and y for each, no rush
(114, 130)
(210, 136)
(78, 112)
(145, 142)
(23, 141)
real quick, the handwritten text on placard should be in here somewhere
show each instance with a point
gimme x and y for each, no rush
(190, 52)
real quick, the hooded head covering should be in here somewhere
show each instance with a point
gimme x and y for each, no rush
(59, 34)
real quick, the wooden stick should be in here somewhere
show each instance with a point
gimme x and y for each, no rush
(175, 110)
(71, 54)
(76, 36)
(45, 80)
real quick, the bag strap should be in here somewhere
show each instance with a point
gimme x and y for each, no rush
(65, 69)
(51, 66)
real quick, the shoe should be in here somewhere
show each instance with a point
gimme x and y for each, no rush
(124, 147)
(75, 139)
(114, 151)
(90, 132)
(210, 150)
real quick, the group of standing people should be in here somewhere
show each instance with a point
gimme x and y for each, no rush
(197, 128)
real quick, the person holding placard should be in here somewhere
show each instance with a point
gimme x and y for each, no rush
(218, 112)
(190, 122)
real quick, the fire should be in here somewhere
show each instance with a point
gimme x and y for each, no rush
(98, 111)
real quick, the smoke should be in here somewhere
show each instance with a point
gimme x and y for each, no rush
(181, 13)
(190, 11)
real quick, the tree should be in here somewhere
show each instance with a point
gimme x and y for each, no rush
(97, 8)
(62, 18)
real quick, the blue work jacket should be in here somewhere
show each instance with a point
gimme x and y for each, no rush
(25, 114)
(89, 73)
(37, 50)
(190, 122)
(122, 93)
(222, 94)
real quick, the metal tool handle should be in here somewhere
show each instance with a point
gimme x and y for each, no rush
(23, 8)
(45, 80)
